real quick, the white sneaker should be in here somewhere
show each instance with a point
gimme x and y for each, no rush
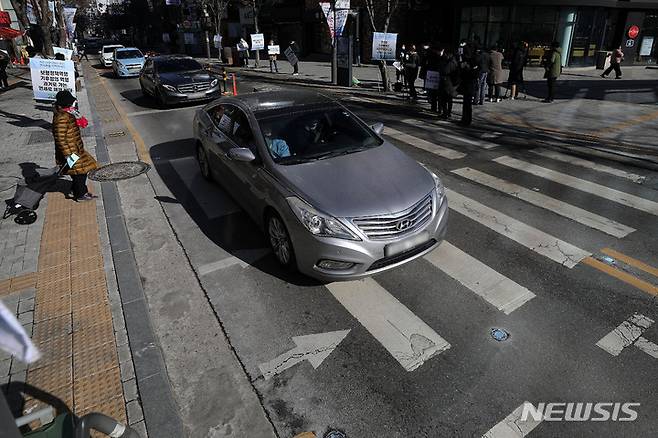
(295, 74)
(499, 99)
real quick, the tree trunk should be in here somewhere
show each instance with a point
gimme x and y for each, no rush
(61, 24)
(46, 25)
(21, 12)
(219, 30)
(384, 74)
(257, 31)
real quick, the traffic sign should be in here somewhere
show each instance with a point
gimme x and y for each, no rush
(633, 31)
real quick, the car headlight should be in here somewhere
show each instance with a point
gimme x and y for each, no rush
(438, 184)
(214, 83)
(317, 223)
(170, 88)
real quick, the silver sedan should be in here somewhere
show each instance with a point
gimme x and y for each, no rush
(336, 200)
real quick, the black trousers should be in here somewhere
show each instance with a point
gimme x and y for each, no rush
(411, 74)
(467, 110)
(3, 79)
(295, 68)
(613, 66)
(445, 103)
(494, 91)
(433, 97)
(551, 88)
(79, 186)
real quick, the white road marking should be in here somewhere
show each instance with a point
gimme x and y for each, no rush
(556, 206)
(589, 164)
(498, 290)
(625, 334)
(512, 426)
(214, 202)
(154, 111)
(313, 348)
(479, 143)
(647, 346)
(409, 340)
(242, 257)
(536, 240)
(580, 184)
(423, 144)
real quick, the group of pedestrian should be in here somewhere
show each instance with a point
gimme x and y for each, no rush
(243, 47)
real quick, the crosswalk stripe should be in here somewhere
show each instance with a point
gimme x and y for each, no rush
(479, 143)
(559, 207)
(498, 290)
(406, 337)
(536, 240)
(423, 144)
(513, 425)
(580, 184)
(589, 164)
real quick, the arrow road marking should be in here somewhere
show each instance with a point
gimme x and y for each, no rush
(313, 348)
(409, 340)
(628, 333)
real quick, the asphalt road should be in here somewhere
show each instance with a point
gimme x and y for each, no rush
(506, 244)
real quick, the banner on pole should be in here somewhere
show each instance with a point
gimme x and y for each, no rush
(68, 53)
(257, 41)
(49, 76)
(384, 46)
(342, 11)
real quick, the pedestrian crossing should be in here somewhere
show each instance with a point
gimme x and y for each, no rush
(420, 143)
(483, 144)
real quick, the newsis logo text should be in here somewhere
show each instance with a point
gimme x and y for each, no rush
(572, 411)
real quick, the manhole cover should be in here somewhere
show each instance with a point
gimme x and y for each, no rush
(116, 134)
(119, 171)
(499, 334)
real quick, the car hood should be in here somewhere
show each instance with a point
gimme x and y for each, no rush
(127, 61)
(377, 181)
(185, 77)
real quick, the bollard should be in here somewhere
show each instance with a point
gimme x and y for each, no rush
(235, 85)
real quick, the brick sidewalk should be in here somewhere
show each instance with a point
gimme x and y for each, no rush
(54, 275)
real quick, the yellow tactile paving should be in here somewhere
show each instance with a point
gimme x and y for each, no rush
(16, 284)
(73, 321)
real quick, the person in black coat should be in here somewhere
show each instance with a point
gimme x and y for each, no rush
(517, 64)
(448, 81)
(296, 51)
(411, 65)
(483, 63)
(468, 70)
(432, 64)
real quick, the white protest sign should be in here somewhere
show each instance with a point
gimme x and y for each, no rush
(273, 50)
(257, 41)
(292, 57)
(342, 11)
(242, 46)
(66, 52)
(432, 80)
(646, 46)
(217, 40)
(384, 46)
(50, 76)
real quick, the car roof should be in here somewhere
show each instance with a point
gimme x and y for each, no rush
(127, 48)
(166, 57)
(269, 100)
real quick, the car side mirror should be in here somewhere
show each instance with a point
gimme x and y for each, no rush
(241, 154)
(378, 128)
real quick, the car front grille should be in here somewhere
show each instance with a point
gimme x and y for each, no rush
(196, 87)
(390, 227)
(387, 261)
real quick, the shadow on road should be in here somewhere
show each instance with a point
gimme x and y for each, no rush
(235, 232)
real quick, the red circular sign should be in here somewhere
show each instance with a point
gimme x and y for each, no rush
(633, 31)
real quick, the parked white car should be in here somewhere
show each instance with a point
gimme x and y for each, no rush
(107, 54)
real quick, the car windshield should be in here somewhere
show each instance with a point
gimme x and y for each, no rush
(127, 54)
(177, 64)
(109, 49)
(307, 135)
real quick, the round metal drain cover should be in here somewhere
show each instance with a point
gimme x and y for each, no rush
(335, 434)
(499, 334)
(119, 171)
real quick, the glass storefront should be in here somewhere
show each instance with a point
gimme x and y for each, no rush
(648, 39)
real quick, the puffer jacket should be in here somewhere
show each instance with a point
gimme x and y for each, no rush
(68, 140)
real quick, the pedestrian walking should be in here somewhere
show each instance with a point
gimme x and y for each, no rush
(243, 48)
(496, 74)
(295, 49)
(432, 82)
(552, 63)
(483, 61)
(4, 63)
(272, 56)
(399, 72)
(448, 81)
(411, 65)
(69, 148)
(468, 70)
(517, 64)
(82, 53)
(615, 64)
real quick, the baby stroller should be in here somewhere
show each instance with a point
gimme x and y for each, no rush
(29, 193)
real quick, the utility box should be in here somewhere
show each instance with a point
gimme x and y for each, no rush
(344, 57)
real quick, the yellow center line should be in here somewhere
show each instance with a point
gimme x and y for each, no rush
(630, 261)
(142, 150)
(621, 275)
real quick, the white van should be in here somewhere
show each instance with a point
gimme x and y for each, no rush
(107, 54)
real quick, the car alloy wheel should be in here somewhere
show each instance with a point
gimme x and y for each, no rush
(280, 241)
(204, 165)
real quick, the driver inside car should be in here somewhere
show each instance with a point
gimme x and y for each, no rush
(278, 147)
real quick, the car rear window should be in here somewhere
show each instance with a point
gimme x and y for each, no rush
(109, 49)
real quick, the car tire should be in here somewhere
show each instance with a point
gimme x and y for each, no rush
(204, 164)
(280, 241)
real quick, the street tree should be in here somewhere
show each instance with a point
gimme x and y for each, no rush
(380, 13)
(44, 19)
(217, 11)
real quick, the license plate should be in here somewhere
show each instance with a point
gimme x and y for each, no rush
(405, 245)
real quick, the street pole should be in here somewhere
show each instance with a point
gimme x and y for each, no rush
(334, 50)
(207, 46)
(255, 11)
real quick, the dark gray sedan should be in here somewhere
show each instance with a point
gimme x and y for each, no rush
(336, 200)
